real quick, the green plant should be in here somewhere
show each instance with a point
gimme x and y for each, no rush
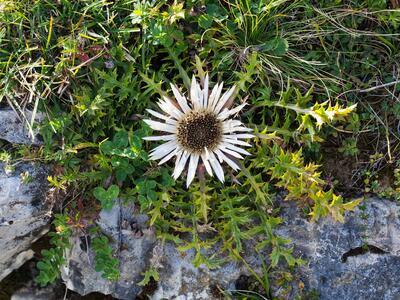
(105, 262)
(93, 67)
(374, 183)
(272, 30)
(349, 147)
(310, 118)
(5, 157)
(151, 273)
(106, 197)
(52, 260)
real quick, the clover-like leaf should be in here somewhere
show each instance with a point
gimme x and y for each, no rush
(120, 139)
(106, 197)
(122, 167)
(106, 147)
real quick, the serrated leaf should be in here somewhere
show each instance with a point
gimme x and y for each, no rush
(151, 273)
(352, 204)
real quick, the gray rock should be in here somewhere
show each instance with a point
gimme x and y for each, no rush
(180, 280)
(79, 274)
(24, 214)
(35, 293)
(14, 129)
(359, 259)
(139, 250)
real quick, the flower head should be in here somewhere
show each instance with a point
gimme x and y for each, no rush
(199, 129)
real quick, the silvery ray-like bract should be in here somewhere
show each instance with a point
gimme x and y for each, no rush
(200, 128)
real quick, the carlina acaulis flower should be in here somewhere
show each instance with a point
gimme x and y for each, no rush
(200, 128)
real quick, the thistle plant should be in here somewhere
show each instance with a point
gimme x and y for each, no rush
(202, 129)
(94, 67)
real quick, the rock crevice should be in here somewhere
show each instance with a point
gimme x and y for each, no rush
(24, 214)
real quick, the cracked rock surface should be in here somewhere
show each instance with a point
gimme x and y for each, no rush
(24, 214)
(139, 249)
(14, 129)
(359, 259)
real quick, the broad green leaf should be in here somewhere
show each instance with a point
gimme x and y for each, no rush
(277, 46)
(120, 139)
(106, 197)
(205, 21)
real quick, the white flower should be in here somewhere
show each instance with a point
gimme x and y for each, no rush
(201, 129)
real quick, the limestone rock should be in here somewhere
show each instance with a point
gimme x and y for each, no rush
(139, 249)
(24, 214)
(79, 274)
(14, 130)
(34, 293)
(359, 259)
(179, 279)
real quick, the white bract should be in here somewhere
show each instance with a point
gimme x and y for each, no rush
(199, 129)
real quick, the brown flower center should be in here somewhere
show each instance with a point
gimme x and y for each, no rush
(199, 130)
